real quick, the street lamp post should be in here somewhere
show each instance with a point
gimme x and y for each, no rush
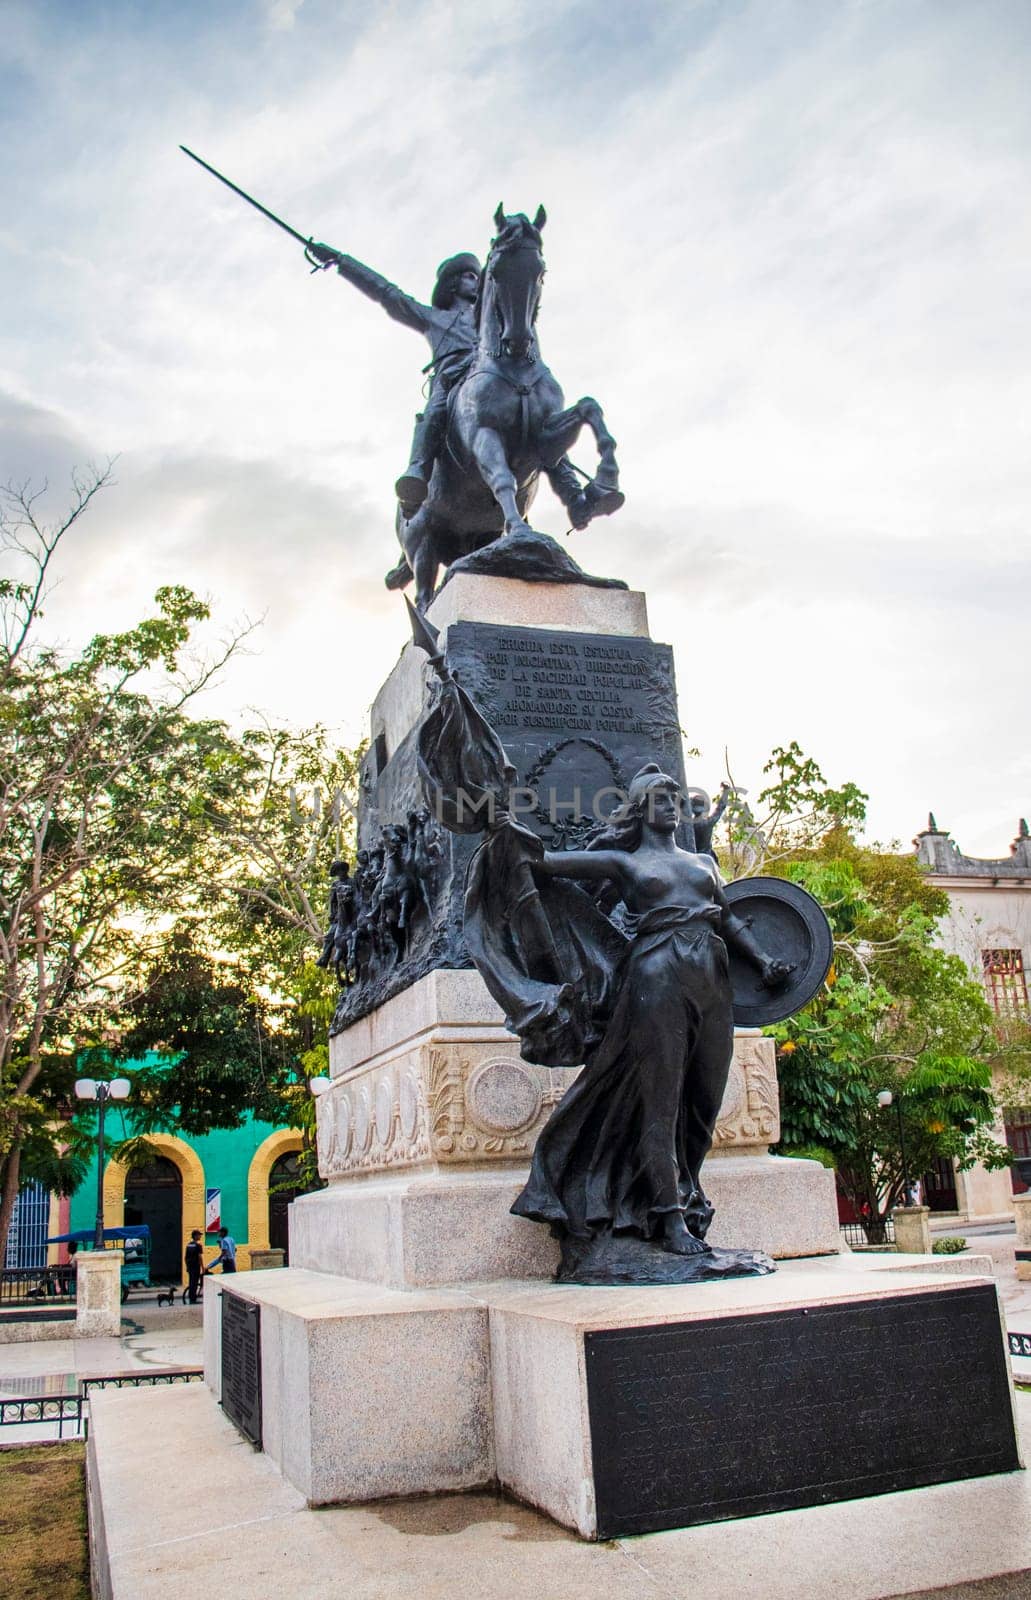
(90, 1089)
(886, 1098)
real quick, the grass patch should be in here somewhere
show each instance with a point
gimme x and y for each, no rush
(44, 1551)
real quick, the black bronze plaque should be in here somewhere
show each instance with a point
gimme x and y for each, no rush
(241, 1365)
(578, 714)
(736, 1416)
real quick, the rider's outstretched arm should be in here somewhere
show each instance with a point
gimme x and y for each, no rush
(402, 307)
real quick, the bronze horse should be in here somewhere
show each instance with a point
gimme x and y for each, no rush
(506, 424)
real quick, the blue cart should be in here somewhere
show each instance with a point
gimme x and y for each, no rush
(134, 1241)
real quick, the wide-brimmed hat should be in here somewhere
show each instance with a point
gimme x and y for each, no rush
(452, 268)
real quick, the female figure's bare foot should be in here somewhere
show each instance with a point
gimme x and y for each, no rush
(675, 1237)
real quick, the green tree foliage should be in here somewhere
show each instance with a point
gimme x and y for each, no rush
(108, 788)
(898, 1014)
(794, 811)
(234, 1008)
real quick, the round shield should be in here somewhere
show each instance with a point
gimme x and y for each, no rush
(787, 923)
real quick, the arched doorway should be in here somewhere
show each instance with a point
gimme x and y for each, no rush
(284, 1185)
(154, 1195)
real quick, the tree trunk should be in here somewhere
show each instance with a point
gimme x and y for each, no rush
(9, 1194)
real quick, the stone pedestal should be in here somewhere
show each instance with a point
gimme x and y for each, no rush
(628, 1410)
(263, 1260)
(98, 1294)
(1022, 1210)
(912, 1230)
(364, 1392)
(645, 1409)
(427, 1130)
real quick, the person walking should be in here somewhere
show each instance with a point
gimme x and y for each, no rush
(226, 1258)
(194, 1266)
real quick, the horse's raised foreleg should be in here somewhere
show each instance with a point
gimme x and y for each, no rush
(489, 454)
(561, 431)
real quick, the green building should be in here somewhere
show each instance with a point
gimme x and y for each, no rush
(216, 1179)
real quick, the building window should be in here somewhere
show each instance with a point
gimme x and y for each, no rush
(1004, 981)
(1018, 1137)
(27, 1240)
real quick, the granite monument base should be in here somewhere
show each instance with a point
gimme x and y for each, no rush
(628, 1410)
(632, 1411)
(419, 1229)
(363, 1392)
(427, 1130)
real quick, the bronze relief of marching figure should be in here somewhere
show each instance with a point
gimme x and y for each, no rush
(371, 914)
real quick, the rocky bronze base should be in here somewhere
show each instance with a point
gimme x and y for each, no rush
(533, 557)
(625, 1259)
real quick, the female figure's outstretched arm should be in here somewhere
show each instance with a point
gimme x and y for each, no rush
(737, 933)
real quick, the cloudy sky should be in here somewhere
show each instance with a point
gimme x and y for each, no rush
(788, 249)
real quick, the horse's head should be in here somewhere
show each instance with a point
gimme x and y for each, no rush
(512, 282)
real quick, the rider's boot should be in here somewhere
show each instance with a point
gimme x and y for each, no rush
(413, 485)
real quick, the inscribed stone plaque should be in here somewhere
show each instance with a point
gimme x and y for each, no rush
(241, 1365)
(578, 713)
(737, 1416)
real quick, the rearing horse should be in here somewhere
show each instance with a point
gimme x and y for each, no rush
(506, 425)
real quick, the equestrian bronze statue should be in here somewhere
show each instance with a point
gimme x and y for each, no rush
(494, 419)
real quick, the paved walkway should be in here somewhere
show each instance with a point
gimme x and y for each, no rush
(53, 1367)
(187, 1500)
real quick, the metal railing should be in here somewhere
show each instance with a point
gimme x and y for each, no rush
(73, 1409)
(21, 1286)
(875, 1233)
(59, 1408)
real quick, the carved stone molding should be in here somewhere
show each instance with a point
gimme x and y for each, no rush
(445, 1102)
(750, 1113)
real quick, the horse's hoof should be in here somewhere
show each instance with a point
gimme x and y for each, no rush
(603, 502)
(399, 576)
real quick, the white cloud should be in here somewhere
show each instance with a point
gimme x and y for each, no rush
(786, 250)
(282, 14)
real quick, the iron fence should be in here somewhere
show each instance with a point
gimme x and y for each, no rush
(73, 1409)
(49, 1409)
(23, 1285)
(864, 1235)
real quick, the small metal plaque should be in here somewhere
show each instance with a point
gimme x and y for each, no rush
(241, 1365)
(737, 1416)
